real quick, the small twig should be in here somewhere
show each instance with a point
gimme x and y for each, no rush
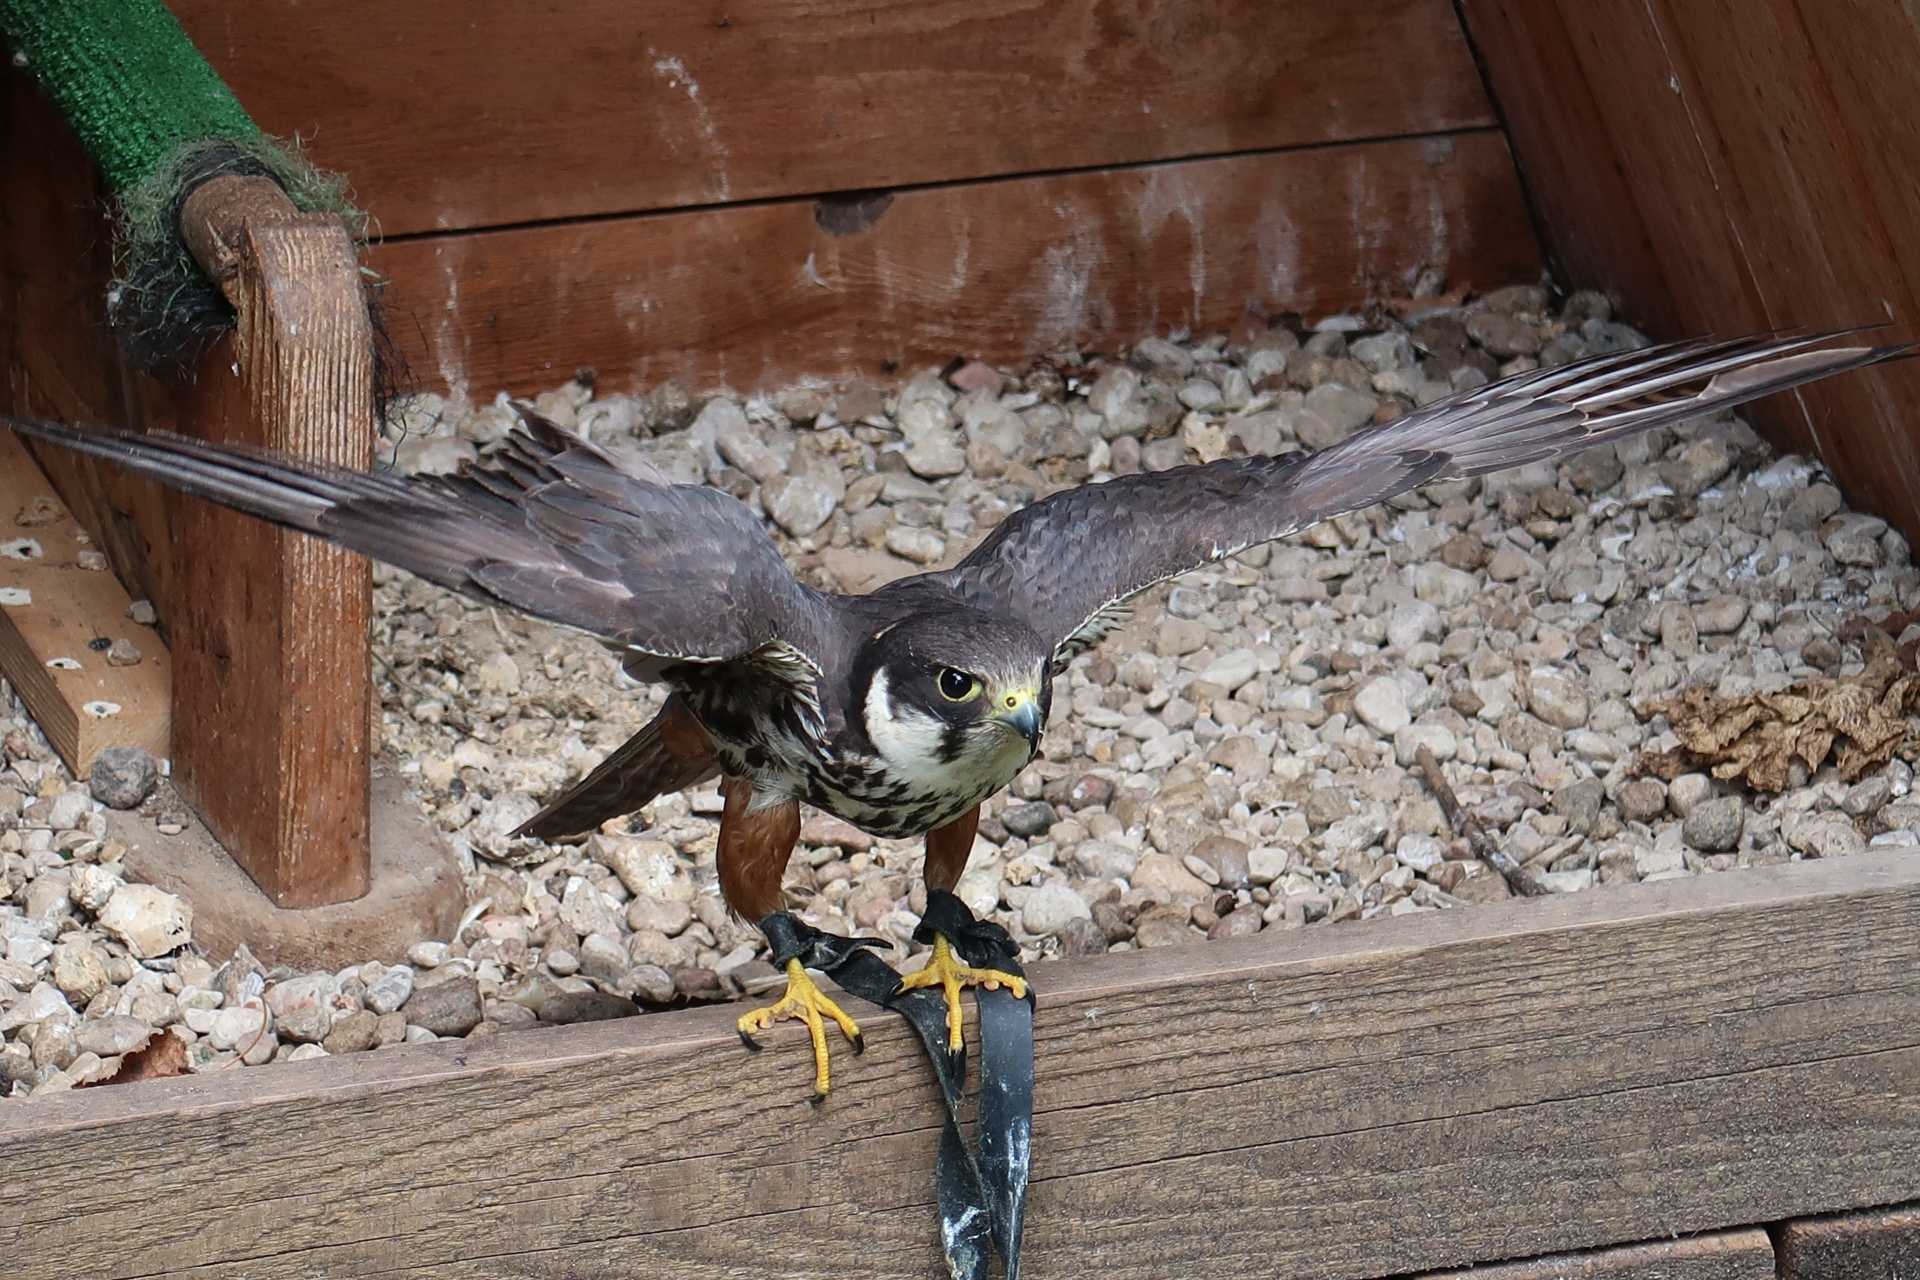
(1518, 878)
(258, 1036)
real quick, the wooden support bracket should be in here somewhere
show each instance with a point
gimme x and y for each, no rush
(269, 628)
(92, 677)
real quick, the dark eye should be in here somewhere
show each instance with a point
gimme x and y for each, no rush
(957, 686)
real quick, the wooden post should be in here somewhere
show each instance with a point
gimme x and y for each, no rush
(269, 628)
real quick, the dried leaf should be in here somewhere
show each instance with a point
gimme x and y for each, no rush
(164, 1055)
(1758, 739)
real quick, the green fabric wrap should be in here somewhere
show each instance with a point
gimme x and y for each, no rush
(127, 79)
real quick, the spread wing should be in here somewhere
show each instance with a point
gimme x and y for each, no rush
(550, 526)
(1064, 565)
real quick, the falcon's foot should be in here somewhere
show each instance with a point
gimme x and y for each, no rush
(795, 946)
(948, 919)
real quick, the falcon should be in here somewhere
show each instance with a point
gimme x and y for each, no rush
(901, 710)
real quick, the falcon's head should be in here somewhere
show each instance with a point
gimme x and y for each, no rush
(954, 700)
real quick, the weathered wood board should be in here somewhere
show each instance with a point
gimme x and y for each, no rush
(1377, 1099)
(455, 114)
(754, 295)
(1881, 1244)
(1721, 1255)
(57, 622)
(1725, 167)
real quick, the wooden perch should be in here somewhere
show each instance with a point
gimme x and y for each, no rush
(269, 628)
(1381, 1098)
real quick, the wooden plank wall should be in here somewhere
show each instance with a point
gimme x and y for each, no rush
(660, 188)
(1724, 166)
(1391, 1097)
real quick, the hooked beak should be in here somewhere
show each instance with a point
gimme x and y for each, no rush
(1019, 710)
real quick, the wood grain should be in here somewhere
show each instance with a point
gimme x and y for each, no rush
(1586, 210)
(1880, 1245)
(1768, 151)
(92, 705)
(454, 114)
(1725, 1255)
(1376, 1099)
(753, 296)
(270, 627)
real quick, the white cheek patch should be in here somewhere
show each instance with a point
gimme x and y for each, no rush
(908, 741)
(911, 742)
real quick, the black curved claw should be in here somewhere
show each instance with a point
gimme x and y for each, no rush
(750, 1042)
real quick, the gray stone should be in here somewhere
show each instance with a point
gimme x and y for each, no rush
(1120, 400)
(1560, 703)
(1504, 335)
(1265, 864)
(1381, 704)
(922, 546)
(78, 970)
(391, 990)
(1579, 803)
(1721, 615)
(1686, 791)
(1342, 408)
(1854, 539)
(69, 809)
(1100, 860)
(1380, 352)
(1028, 820)
(123, 777)
(451, 1008)
(110, 1037)
(602, 957)
(1325, 806)
(937, 455)
(1713, 826)
(1435, 737)
(1201, 396)
(1698, 467)
(1231, 670)
(302, 1007)
(1411, 622)
(669, 918)
(798, 504)
(352, 1034)
(1228, 860)
(1444, 587)
(1048, 908)
(1157, 355)
(584, 909)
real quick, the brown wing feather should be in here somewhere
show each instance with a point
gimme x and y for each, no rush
(1062, 564)
(554, 528)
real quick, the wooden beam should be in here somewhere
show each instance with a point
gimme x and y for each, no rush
(1883, 1244)
(1376, 1099)
(1721, 1255)
(91, 676)
(457, 114)
(269, 628)
(753, 296)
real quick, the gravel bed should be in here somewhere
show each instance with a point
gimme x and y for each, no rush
(1237, 758)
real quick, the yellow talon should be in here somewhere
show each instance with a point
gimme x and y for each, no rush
(949, 974)
(806, 1001)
